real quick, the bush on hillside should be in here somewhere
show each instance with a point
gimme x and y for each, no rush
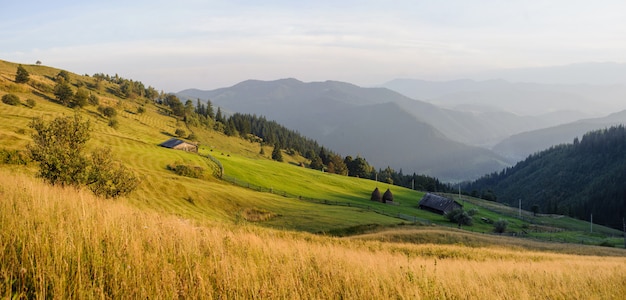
(11, 99)
(13, 157)
(500, 226)
(460, 217)
(180, 132)
(107, 111)
(108, 178)
(186, 170)
(31, 103)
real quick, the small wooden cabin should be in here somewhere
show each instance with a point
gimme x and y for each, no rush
(178, 144)
(438, 204)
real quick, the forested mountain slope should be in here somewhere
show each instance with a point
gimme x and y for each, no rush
(579, 179)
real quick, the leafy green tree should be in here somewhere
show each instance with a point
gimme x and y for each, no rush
(11, 99)
(81, 98)
(63, 76)
(22, 76)
(108, 178)
(63, 93)
(277, 155)
(460, 217)
(500, 226)
(58, 148)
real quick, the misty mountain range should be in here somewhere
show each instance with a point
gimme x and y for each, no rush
(450, 137)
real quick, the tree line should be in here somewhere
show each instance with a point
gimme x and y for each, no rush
(579, 179)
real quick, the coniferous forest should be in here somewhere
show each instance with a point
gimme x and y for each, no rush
(579, 179)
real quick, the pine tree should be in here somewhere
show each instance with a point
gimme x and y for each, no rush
(22, 75)
(277, 155)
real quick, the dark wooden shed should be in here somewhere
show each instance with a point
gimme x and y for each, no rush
(438, 204)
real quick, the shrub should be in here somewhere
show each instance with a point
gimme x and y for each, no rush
(108, 178)
(500, 226)
(114, 123)
(186, 170)
(459, 216)
(180, 132)
(11, 99)
(94, 100)
(13, 157)
(107, 111)
(141, 110)
(30, 102)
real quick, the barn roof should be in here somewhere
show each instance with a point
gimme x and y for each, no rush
(437, 203)
(171, 143)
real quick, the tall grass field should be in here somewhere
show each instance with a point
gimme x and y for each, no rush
(63, 243)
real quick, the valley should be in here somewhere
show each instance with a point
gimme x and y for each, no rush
(262, 228)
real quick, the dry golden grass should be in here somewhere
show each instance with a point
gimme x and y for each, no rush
(63, 243)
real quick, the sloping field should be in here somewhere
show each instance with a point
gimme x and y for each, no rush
(64, 243)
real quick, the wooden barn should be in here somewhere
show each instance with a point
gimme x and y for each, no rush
(177, 144)
(438, 204)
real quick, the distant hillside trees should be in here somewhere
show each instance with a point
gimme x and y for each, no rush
(22, 76)
(579, 179)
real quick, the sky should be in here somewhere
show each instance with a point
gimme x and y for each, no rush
(174, 45)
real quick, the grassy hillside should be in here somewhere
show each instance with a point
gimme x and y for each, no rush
(66, 243)
(199, 238)
(135, 143)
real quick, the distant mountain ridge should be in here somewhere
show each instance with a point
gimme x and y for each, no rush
(521, 98)
(387, 128)
(519, 146)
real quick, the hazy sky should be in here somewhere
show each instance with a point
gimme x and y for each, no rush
(173, 45)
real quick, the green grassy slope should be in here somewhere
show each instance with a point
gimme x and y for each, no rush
(136, 140)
